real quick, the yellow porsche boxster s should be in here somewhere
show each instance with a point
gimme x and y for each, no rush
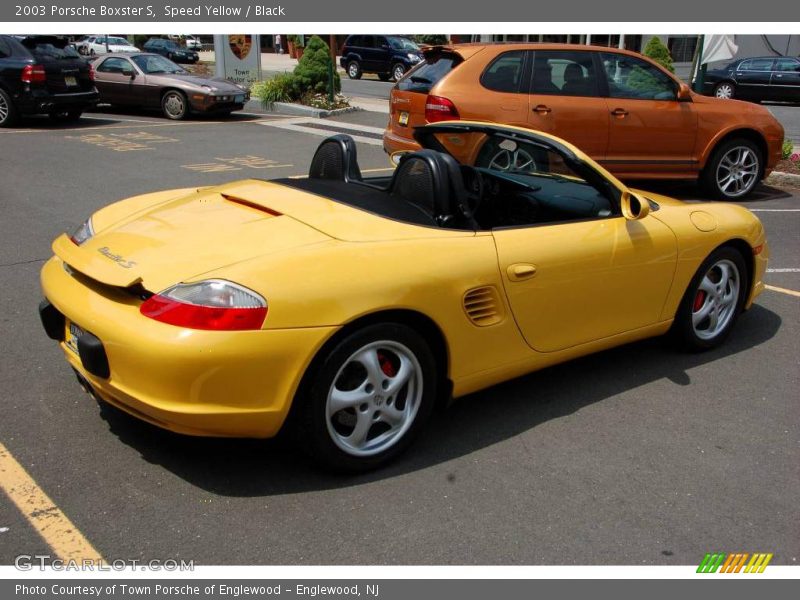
(345, 308)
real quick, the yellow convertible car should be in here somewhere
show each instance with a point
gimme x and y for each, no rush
(345, 308)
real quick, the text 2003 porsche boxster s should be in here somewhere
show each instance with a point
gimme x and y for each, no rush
(345, 307)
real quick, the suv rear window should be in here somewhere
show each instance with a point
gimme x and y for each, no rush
(429, 73)
(49, 48)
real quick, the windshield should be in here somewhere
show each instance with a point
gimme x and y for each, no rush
(151, 64)
(50, 49)
(403, 44)
(117, 41)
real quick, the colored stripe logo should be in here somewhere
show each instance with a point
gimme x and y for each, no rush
(734, 562)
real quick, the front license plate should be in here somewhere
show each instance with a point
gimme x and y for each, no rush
(70, 81)
(240, 98)
(403, 118)
(71, 335)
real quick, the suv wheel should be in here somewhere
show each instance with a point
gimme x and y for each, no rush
(354, 70)
(398, 70)
(8, 113)
(734, 169)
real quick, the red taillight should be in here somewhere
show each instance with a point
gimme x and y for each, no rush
(91, 72)
(193, 316)
(33, 74)
(438, 109)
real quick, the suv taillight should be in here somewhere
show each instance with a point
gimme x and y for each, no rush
(438, 109)
(33, 74)
(91, 72)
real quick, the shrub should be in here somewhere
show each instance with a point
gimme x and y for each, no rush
(279, 88)
(656, 50)
(431, 39)
(786, 149)
(312, 73)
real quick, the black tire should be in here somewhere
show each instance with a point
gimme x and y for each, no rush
(398, 70)
(174, 105)
(8, 112)
(325, 435)
(354, 70)
(725, 89)
(701, 336)
(384, 76)
(713, 177)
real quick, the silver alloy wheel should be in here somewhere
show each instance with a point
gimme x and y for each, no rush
(4, 109)
(724, 90)
(398, 72)
(737, 171)
(352, 70)
(374, 398)
(516, 160)
(174, 105)
(715, 300)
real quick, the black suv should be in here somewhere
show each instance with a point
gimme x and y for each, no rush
(389, 56)
(172, 50)
(43, 74)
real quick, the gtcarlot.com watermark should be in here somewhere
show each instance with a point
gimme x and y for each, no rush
(29, 562)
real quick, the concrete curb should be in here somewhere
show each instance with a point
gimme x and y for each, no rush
(779, 177)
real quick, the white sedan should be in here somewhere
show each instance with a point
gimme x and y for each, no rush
(94, 45)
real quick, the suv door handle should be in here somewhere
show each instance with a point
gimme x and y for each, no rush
(619, 112)
(542, 109)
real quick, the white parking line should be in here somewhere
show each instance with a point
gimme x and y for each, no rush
(775, 210)
(783, 270)
(297, 125)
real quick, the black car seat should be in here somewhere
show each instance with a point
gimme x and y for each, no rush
(575, 83)
(336, 158)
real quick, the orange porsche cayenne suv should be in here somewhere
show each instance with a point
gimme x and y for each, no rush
(624, 110)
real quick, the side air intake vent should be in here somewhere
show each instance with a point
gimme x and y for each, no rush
(483, 306)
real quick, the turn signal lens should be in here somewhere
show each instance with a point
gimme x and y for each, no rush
(757, 249)
(214, 304)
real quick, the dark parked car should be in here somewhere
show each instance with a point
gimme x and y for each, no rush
(172, 50)
(152, 81)
(389, 56)
(760, 78)
(42, 74)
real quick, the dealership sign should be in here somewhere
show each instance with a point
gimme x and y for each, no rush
(238, 58)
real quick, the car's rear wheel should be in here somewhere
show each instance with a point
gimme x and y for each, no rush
(8, 112)
(354, 70)
(725, 90)
(734, 170)
(712, 301)
(367, 397)
(398, 70)
(174, 105)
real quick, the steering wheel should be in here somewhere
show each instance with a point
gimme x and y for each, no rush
(473, 184)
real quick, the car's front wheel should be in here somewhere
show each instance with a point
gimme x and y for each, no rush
(712, 301)
(354, 70)
(725, 90)
(733, 170)
(398, 70)
(367, 397)
(8, 112)
(174, 105)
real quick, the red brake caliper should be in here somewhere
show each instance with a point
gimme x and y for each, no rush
(698, 300)
(386, 365)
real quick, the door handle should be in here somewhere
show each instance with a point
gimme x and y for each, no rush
(542, 109)
(619, 112)
(521, 271)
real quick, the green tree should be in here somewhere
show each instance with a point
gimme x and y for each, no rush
(656, 50)
(312, 74)
(431, 39)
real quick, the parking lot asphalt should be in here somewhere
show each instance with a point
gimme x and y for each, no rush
(638, 455)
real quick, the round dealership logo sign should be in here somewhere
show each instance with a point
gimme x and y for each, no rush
(240, 45)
